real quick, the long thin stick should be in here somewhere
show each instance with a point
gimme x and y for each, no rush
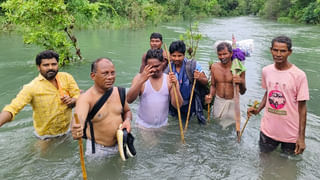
(244, 126)
(255, 104)
(208, 112)
(189, 108)
(237, 110)
(83, 167)
(176, 96)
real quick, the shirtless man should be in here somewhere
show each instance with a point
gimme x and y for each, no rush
(155, 91)
(155, 43)
(108, 118)
(222, 86)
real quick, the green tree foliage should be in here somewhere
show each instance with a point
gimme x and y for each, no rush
(139, 13)
(190, 9)
(83, 11)
(311, 14)
(306, 11)
(229, 7)
(276, 8)
(191, 38)
(44, 23)
(251, 6)
(131, 13)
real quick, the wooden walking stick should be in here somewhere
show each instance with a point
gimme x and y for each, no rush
(244, 126)
(83, 167)
(237, 68)
(208, 112)
(237, 109)
(255, 104)
(176, 97)
(189, 107)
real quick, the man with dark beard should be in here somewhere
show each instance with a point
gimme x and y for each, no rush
(52, 96)
(222, 86)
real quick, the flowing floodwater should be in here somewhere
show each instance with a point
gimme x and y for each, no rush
(209, 152)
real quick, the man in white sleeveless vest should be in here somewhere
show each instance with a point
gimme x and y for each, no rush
(155, 91)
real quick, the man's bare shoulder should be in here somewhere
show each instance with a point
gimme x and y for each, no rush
(215, 66)
(87, 96)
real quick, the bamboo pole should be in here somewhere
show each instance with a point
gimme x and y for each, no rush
(176, 97)
(244, 126)
(189, 107)
(237, 110)
(255, 104)
(208, 112)
(83, 167)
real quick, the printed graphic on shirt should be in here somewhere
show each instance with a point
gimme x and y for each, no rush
(277, 101)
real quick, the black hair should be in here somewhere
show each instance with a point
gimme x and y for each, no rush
(177, 46)
(282, 39)
(223, 45)
(154, 53)
(94, 64)
(47, 54)
(156, 36)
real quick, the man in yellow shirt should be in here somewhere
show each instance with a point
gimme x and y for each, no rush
(52, 96)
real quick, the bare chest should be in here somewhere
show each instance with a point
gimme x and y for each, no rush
(111, 109)
(223, 75)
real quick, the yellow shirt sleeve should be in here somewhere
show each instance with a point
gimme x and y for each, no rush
(74, 90)
(23, 98)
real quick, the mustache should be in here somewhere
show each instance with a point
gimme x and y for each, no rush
(51, 71)
(224, 60)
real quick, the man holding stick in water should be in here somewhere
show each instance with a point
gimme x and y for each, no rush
(284, 118)
(180, 68)
(155, 91)
(101, 131)
(222, 86)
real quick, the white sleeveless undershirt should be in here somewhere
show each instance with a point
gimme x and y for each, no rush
(154, 106)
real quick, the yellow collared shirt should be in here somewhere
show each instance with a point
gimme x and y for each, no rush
(50, 115)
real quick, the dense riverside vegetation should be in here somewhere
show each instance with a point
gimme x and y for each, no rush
(49, 23)
(138, 13)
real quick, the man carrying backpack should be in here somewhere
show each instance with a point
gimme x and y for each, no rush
(112, 111)
(182, 67)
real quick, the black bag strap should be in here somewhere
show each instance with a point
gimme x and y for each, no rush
(92, 113)
(190, 67)
(122, 94)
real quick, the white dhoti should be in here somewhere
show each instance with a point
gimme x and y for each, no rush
(223, 111)
(101, 151)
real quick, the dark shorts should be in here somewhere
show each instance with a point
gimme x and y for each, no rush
(267, 144)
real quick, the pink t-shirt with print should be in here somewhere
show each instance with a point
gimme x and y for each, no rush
(280, 120)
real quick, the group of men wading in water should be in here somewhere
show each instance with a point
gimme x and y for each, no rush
(103, 109)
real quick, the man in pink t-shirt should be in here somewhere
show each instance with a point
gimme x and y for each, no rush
(284, 118)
